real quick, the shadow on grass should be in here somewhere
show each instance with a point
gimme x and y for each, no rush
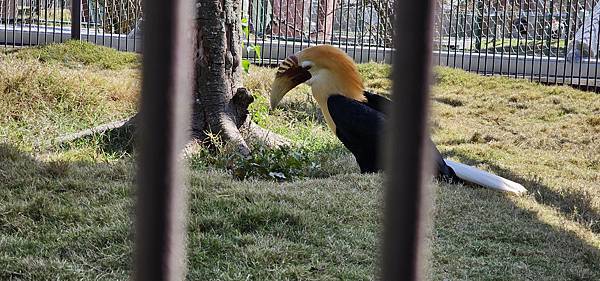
(63, 219)
(119, 141)
(569, 204)
(71, 220)
(481, 235)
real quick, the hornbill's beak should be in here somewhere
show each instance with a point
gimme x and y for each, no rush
(289, 75)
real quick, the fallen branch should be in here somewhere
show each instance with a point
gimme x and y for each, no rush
(117, 125)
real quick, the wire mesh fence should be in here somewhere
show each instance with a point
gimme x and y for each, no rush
(553, 41)
(363, 28)
(110, 23)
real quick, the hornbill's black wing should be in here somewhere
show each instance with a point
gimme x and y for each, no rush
(378, 102)
(360, 129)
(382, 105)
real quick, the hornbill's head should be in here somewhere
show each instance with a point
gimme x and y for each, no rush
(327, 69)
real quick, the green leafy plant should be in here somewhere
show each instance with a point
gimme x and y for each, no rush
(251, 48)
(284, 163)
(259, 109)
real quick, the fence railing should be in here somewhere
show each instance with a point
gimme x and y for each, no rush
(112, 23)
(537, 40)
(532, 39)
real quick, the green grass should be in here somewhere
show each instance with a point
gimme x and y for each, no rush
(77, 54)
(66, 212)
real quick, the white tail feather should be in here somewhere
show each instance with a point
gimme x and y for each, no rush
(485, 179)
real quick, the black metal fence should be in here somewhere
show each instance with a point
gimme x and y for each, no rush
(112, 23)
(160, 220)
(551, 41)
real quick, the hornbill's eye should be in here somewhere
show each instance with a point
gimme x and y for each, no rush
(307, 67)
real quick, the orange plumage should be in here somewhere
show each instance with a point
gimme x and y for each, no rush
(346, 79)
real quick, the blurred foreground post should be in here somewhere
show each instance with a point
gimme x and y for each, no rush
(76, 19)
(405, 196)
(164, 128)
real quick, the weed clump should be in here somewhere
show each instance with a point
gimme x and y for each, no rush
(285, 163)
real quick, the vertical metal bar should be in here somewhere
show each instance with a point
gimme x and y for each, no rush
(112, 23)
(53, 19)
(478, 33)
(596, 62)
(22, 19)
(560, 7)
(385, 32)
(62, 14)
(503, 35)
(347, 27)
(535, 29)
(46, 22)
(287, 24)
(340, 19)
(456, 33)
(30, 20)
(6, 23)
(15, 20)
(378, 36)
(75, 20)
(309, 21)
(449, 32)
(370, 33)
(302, 31)
(440, 31)
(325, 24)
(575, 27)
(279, 21)
(472, 35)
(119, 29)
(568, 31)
(495, 37)
(265, 5)
(295, 35)
(582, 31)
(510, 39)
(526, 39)
(405, 195)
(464, 36)
(362, 32)
(487, 38)
(95, 26)
(542, 43)
(355, 30)
(165, 108)
(87, 22)
(589, 60)
(518, 39)
(549, 43)
(317, 21)
(249, 16)
(38, 5)
(126, 6)
(243, 39)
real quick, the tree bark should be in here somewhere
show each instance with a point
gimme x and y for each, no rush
(221, 103)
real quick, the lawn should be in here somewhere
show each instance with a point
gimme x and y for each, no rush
(66, 210)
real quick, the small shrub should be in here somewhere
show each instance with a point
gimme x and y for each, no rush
(284, 163)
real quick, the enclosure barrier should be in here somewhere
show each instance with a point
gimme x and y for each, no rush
(531, 39)
(167, 85)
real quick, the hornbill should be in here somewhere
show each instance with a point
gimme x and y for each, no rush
(357, 117)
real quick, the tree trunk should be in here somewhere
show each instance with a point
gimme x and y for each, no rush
(221, 103)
